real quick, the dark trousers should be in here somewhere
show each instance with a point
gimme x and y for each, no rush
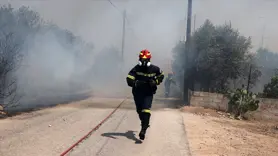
(143, 107)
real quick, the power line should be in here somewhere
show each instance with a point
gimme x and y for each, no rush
(114, 5)
(125, 17)
(122, 12)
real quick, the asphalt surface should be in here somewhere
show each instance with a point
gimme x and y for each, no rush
(51, 131)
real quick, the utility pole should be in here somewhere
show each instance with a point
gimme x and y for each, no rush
(123, 37)
(194, 23)
(189, 16)
(187, 51)
(184, 37)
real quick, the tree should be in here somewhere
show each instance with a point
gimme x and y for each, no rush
(10, 56)
(178, 63)
(267, 58)
(267, 61)
(24, 32)
(219, 54)
(271, 89)
(249, 71)
(28, 21)
(17, 26)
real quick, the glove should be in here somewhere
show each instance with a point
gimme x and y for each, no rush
(152, 83)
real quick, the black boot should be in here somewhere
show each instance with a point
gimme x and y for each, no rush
(143, 132)
(144, 125)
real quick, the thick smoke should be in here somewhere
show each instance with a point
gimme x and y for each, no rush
(51, 69)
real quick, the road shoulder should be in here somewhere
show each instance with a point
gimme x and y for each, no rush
(210, 136)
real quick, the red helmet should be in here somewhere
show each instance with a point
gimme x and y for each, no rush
(145, 54)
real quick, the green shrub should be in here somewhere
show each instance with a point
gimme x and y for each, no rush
(242, 102)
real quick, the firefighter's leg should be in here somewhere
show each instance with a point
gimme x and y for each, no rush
(138, 103)
(145, 114)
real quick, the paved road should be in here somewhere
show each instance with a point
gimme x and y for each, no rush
(32, 135)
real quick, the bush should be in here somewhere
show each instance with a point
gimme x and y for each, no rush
(242, 102)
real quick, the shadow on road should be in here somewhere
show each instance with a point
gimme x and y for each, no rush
(129, 134)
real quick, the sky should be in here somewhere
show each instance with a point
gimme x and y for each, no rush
(156, 24)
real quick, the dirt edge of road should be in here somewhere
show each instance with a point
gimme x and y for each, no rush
(213, 133)
(44, 103)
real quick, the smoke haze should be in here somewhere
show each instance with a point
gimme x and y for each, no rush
(153, 24)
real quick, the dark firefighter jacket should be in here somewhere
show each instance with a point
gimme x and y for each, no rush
(144, 74)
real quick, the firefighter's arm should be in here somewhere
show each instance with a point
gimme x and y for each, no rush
(159, 76)
(130, 79)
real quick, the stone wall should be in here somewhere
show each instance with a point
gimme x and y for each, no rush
(268, 108)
